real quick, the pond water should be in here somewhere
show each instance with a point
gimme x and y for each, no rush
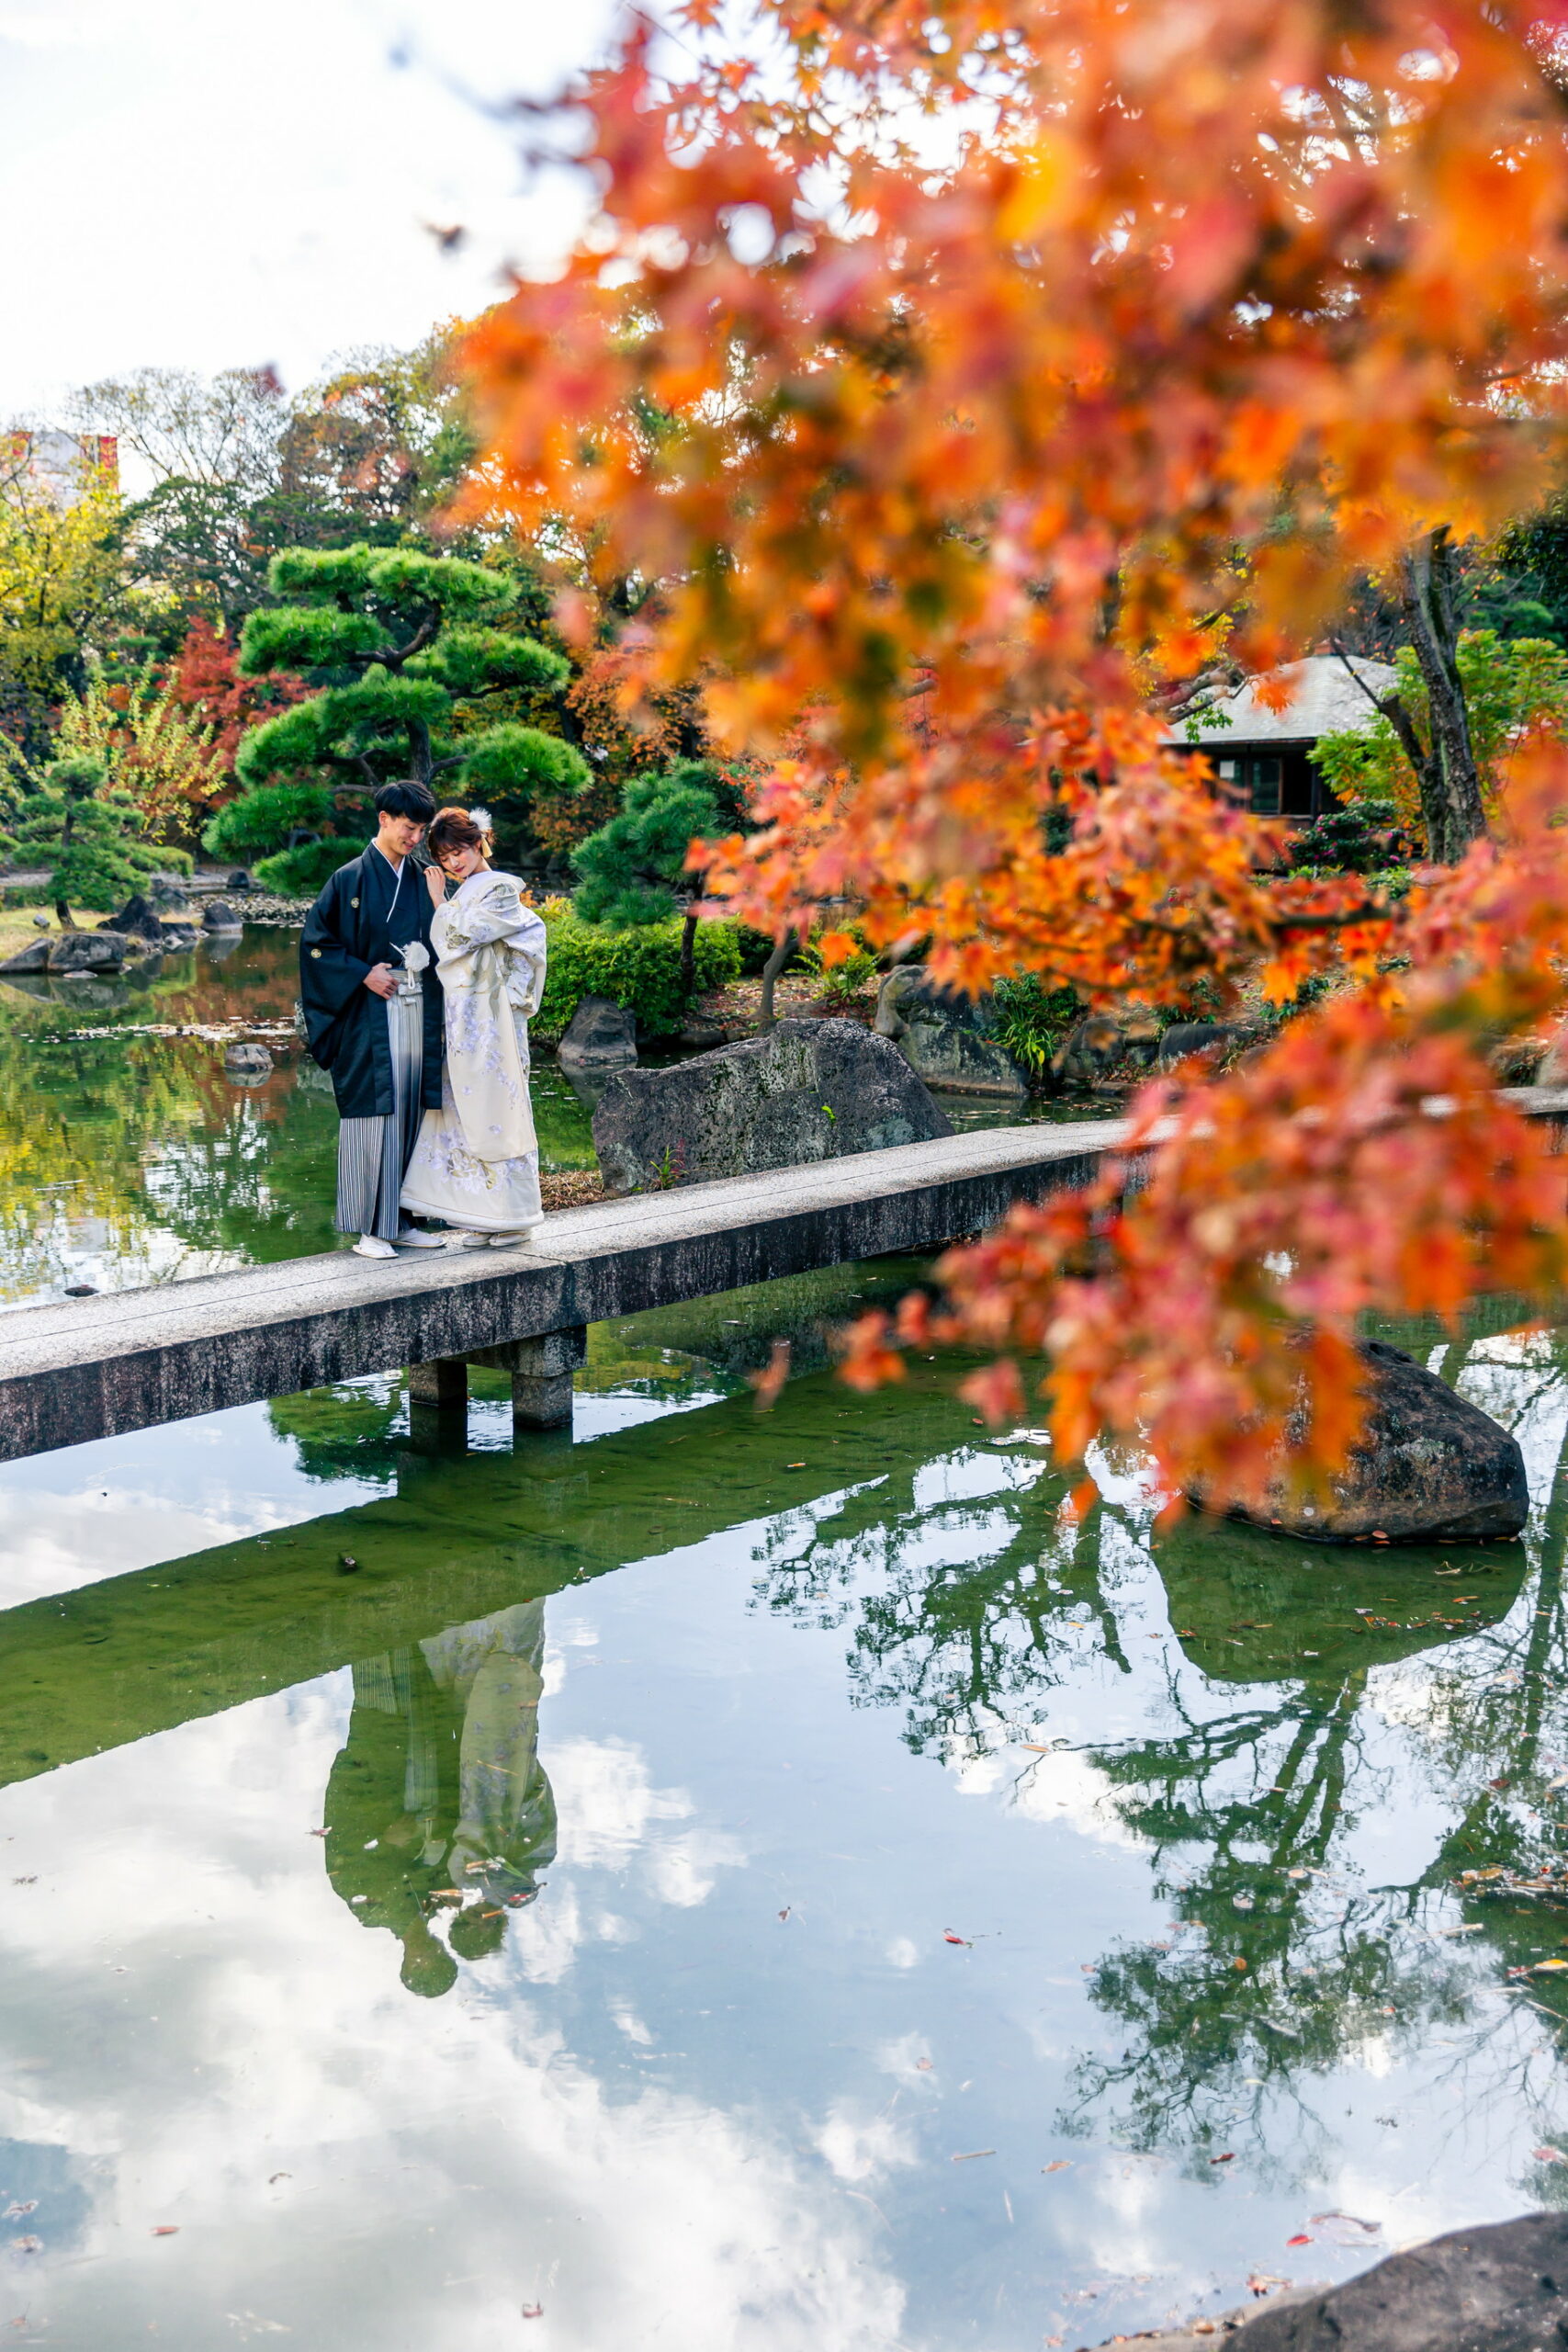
(753, 1884)
(128, 1156)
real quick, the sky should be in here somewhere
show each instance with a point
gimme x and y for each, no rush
(200, 185)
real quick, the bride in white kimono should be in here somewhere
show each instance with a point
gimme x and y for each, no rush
(477, 1159)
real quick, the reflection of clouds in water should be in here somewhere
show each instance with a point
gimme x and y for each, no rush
(908, 2060)
(970, 1473)
(608, 1810)
(605, 1801)
(422, 2143)
(1063, 1787)
(861, 2147)
(684, 1869)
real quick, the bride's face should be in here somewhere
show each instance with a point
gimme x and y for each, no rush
(460, 863)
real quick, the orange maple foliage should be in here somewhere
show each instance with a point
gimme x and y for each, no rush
(962, 372)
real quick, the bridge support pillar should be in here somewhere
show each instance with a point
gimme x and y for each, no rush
(438, 1405)
(541, 1372)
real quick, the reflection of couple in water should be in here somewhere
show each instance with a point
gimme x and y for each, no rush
(429, 1061)
(439, 1793)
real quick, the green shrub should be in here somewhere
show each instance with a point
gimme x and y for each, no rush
(1031, 1020)
(639, 968)
(840, 982)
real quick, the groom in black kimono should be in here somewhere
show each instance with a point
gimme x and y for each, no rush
(373, 1018)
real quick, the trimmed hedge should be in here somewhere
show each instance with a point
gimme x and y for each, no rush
(639, 968)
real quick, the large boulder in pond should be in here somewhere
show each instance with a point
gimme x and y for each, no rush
(218, 915)
(88, 951)
(138, 919)
(1429, 1468)
(601, 1035)
(808, 1090)
(944, 1036)
(1500, 2287)
(33, 957)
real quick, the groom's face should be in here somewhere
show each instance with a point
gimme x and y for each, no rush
(400, 835)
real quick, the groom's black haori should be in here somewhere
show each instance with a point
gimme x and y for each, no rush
(384, 1053)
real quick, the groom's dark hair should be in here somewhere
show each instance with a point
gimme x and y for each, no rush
(405, 798)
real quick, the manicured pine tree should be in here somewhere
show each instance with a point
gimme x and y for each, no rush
(87, 832)
(406, 654)
(634, 869)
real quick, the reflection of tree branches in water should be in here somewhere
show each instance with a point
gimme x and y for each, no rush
(962, 1604)
(140, 1135)
(1199, 2029)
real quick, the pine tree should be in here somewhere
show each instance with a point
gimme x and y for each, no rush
(87, 832)
(406, 653)
(634, 869)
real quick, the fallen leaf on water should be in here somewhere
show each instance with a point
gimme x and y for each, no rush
(20, 2212)
(970, 2154)
(1242, 1902)
(949, 1938)
(923, 2065)
(1226, 2159)
(1352, 2221)
(1036, 1746)
(786, 1912)
(533, 2311)
(1238, 1963)
(1304, 2237)
(1548, 2156)
(317, 1832)
(166, 2230)
(490, 1915)
(273, 2178)
(28, 2246)
(1263, 2282)
(1058, 2164)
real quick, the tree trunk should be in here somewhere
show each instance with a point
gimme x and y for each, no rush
(422, 764)
(689, 954)
(1456, 817)
(782, 951)
(63, 915)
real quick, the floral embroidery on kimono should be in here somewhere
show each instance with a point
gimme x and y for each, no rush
(476, 1160)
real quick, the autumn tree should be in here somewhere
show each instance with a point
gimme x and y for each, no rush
(959, 378)
(61, 575)
(409, 655)
(159, 754)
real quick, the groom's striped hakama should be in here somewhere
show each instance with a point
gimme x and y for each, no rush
(372, 1154)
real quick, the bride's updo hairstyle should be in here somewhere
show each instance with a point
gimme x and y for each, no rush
(453, 829)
